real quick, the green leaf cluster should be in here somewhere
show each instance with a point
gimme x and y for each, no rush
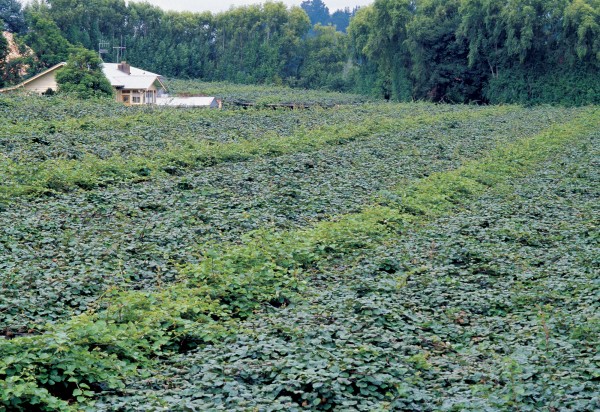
(83, 76)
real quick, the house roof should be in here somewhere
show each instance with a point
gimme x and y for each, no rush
(137, 79)
(37, 76)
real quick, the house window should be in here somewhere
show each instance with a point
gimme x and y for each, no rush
(136, 98)
(149, 97)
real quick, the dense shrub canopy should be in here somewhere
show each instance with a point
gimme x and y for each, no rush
(83, 77)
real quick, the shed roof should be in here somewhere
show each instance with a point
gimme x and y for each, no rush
(197, 101)
(137, 79)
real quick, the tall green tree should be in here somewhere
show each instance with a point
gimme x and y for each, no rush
(341, 18)
(45, 39)
(440, 50)
(317, 11)
(257, 43)
(382, 40)
(367, 76)
(525, 22)
(582, 28)
(481, 25)
(439, 68)
(11, 16)
(87, 22)
(324, 60)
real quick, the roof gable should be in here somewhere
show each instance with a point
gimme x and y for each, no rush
(137, 79)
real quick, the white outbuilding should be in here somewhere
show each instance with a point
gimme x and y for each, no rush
(192, 101)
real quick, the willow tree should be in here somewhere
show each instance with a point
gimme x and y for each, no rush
(582, 28)
(439, 60)
(481, 25)
(325, 55)
(383, 36)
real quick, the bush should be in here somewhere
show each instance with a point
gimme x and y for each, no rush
(83, 77)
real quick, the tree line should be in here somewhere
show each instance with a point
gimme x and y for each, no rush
(499, 51)
(489, 51)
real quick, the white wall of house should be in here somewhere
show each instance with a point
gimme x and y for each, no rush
(137, 97)
(42, 83)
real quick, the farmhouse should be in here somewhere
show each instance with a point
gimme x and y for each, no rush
(134, 86)
(40, 83)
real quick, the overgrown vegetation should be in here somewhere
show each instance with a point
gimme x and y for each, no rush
(76, 158)
(492, 308)
(296, 259)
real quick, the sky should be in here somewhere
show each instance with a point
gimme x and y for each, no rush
(222, 5)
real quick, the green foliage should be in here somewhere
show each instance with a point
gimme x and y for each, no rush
(149, 228)
(253, 44)
(67, 364)
(333, 354)
(44, 37)
(87, 22)
(324, 60)
(66, 170)
(124, 333)
(232, 94)
(568, 86)
(454, 51)
(438, 58)
(319, 14)
(453, 315)
(582, 28)
(317, 11)
(464, 51)
(11, 16)
(83, 77)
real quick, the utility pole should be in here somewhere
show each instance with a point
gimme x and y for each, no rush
(120, 50)
(103, 48)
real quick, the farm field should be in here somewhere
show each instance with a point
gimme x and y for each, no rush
(364, 256)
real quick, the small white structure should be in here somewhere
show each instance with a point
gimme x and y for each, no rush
(40, 83)
(194, 101)
(133, 86)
